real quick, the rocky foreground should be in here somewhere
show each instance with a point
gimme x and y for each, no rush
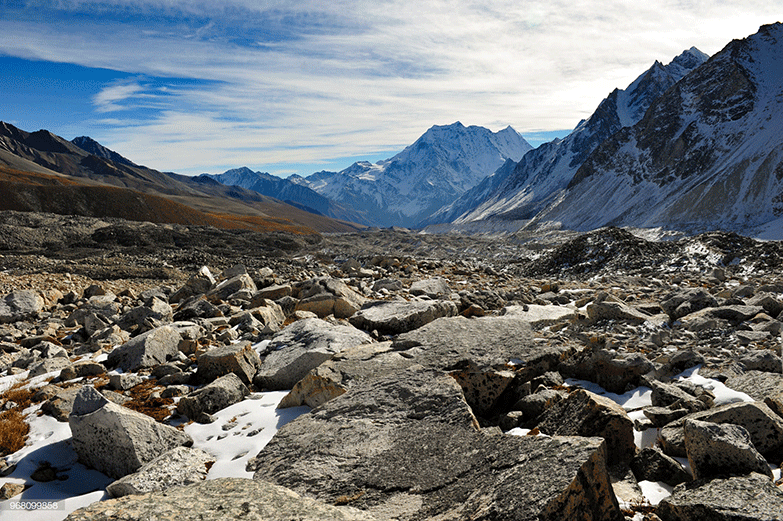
(421, 357)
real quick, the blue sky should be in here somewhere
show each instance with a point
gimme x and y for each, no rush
(296, 87)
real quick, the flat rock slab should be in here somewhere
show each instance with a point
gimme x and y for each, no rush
(146, 350)
(303, 346)
(540, 316)
(392, 318)
(487, 342)
(757, 384)
(407, 447)
(746, 498)
(218, 500)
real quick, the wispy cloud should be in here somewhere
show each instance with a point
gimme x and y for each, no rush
(281, 83)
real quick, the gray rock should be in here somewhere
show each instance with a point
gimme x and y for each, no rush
(48, 365)
(226, 390)
(686, 301)
(540, 316)
(721, 450)
(612, 371)
(736, 313)
(146, 350)
(197, 308)
(230, 286)
(533, 405)
(115, 440)
(273, 292)
(650, 464)
(60, 405)
(407, 447)
(433, 288)
(218, 500)
(392, 318)
(607, 310)
(763, 425)
(757, 384)
(239, 359)
(761, 360)
(82, 369)
(387, 284)
(177, 467)
(328, 296)
(303, 346)
(19, 305)
(124, 381)
(662, 416)
(587, 414)
(746, 498)
(769, 302)
(668, 395)
(156, 310)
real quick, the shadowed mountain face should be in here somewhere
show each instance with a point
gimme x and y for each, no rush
(708, 154)
(43, 172)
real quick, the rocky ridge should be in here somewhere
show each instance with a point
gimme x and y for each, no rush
(447, 347)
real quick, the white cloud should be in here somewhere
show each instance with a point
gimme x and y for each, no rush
(313, 81)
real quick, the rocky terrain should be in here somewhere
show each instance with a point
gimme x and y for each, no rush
(576, 376)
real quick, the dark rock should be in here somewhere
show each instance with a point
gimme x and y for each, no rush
(650, 464)
(614, 372)
(218, 395)
(392, 318)
(721, 450)
(239, 358)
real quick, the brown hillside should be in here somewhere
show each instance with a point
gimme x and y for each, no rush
(39, 192)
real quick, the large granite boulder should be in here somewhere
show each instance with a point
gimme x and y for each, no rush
(395, 317)
(115, 440)
(176, 467)
(146, 350)
(757, 384)
(240, 359)
(587, 414)
(302, 346)
(407, 447)
(20, 304)
(215, 396)
(721, 450)
(218, 500)
(742, 498)
(328, 296)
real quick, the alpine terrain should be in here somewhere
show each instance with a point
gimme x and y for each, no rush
(519, 191)
(708, 154)
(440, 166)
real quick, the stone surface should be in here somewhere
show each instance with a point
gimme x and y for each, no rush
(745, 498)
(327, 296)
(115, 440)
(434, 288)
(757, 384)
(586, 414)
(407, 447)
(721, 450)
(60, 405)
(650, 464)
(217, 395)
(686, 301)
(146, 350)
(239, 359)
(218, 500)
(392, 318)
(540, 316)
(612, 371)
(19, 304)
(230, 286)
(177, 467)
(615, 311)
(303, 346)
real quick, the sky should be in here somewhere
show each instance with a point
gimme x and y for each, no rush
(196, 86)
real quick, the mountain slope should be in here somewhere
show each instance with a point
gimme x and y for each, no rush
(708, 154)
(292, 193)
(542, 174)
(44, 153)
(436, 169)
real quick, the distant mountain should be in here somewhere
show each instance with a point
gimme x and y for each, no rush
(436, 169)
(708, 154)
(93, 147)
(43, 172)
(296, 194)
(537, 180)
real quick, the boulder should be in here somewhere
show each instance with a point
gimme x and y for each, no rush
(757, 384)
(176, 467)
(302, 346)
(764, 426)
(115, 440)
(228, 287)
(761, 360)
(769, 302)
(226, 390)
(721, 450)
(218, 500)
(19, 305)
(650, 464)
(60, 405)
(328, 296)
(686, 301)
(157, 310)
(48, 365)
(746, 498)
(586, 414)
(533, 405)
(273, 292)
(669, 395)
(607, 310)
(433, 288)
(408, 447)
(82, 369)
(392, 318)
(540, 316)
(611, 370)
(146, 350)
(240, 359)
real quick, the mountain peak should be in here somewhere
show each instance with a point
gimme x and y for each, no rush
(91, 146)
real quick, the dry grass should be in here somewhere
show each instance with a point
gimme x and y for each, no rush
(141, 401)
(13, 428)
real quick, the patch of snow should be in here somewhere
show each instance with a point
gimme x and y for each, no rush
(655, 491)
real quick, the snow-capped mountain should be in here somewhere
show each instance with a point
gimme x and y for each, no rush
(295, 194)
(520, 192)
(439, 167)
(708, 154)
